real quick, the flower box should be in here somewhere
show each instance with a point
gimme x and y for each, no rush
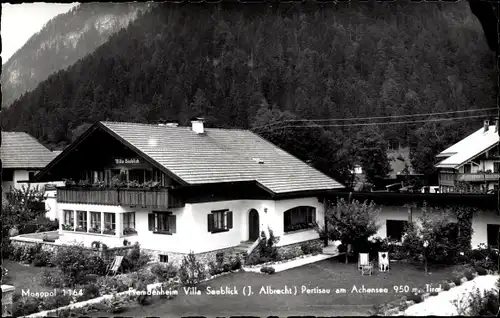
(67, 227)
(109, 232)
(129, 231)
(81, 229)
(95, 230)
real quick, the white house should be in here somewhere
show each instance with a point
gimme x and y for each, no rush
(22, 157)
(180, 189)
(472, 164)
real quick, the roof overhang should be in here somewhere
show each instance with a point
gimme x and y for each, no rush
(458, 165)
(44, 175)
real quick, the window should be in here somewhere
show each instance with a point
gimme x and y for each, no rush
(95, 222)
(7, 175)
(69, 218)
(128, 224)
(136, 175)
(395, 229)
(98, 176)
(467, 168)
(163, 258)
(496, 167)
(162, 222)
(81, 221)
(31, 175)
(493, 235)
(109, 224)
(298, 218)
(220, 221)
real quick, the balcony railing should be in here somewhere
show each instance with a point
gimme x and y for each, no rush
(478, 177)
(153, 198)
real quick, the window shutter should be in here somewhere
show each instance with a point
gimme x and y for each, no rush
(229, 220)
(210, 222)
(151, 221)
(172, 223)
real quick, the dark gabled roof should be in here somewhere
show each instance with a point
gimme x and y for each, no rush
(22, 151)
(214, 157)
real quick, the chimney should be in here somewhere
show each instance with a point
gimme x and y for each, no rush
(197, 125)
(496, 125)
(486, 125)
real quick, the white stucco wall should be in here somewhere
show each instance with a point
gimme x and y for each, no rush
(192, 229)
(479, 221)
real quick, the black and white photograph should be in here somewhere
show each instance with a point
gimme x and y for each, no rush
(250, 158)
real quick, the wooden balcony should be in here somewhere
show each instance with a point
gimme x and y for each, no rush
(478, 177)
(152, 198)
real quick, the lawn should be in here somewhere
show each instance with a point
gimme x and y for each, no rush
(24, 277)
(328, 274)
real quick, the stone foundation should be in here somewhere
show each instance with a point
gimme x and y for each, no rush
(204, 258)
(295, 248)
(54, 247)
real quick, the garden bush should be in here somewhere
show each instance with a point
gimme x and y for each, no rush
(42, 259)
(57, 301)
(468, 274)
(166, 287)
(144, 275)
(143, 298)
(192, 271)
(268, 270)
(484, 257)
(73, 261)
(457, 281)
(115, 305)
(215, 268)
(90, 291)
(481, 271)
(95, 265)
(113, 284)
(23, 306)
(235, 263)
(266, 250)
(164, 271)
(445, 285)
(54, 277)
(135, 259)
(306, 248)
(415, 297)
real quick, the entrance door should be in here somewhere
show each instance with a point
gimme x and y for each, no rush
(253, 225)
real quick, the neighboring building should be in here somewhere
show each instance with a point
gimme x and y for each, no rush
(180, 189)
(397, 209)
(23, 157)
(472, 164)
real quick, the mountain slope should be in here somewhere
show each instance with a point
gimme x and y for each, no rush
(61, 42)
(349, 60)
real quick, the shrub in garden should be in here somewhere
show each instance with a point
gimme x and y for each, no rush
(191, 271)
(24, 306)
(95, 265)
(415, 297)
(214, 268)
(468, 274)
(143, 298)
(135, 259)
(73, 262)
(144, 275)
(111, 284)
(235, 263)
(306, 248)
(54, 277)
(57, 301)
(481, 271)
(90, 291)
(115, 305)
(164, 271)
(445, 286)
(457, 281)
(42, 259)
(268, 270)
(434, 293)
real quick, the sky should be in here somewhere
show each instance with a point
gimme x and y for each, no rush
(21, 21)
